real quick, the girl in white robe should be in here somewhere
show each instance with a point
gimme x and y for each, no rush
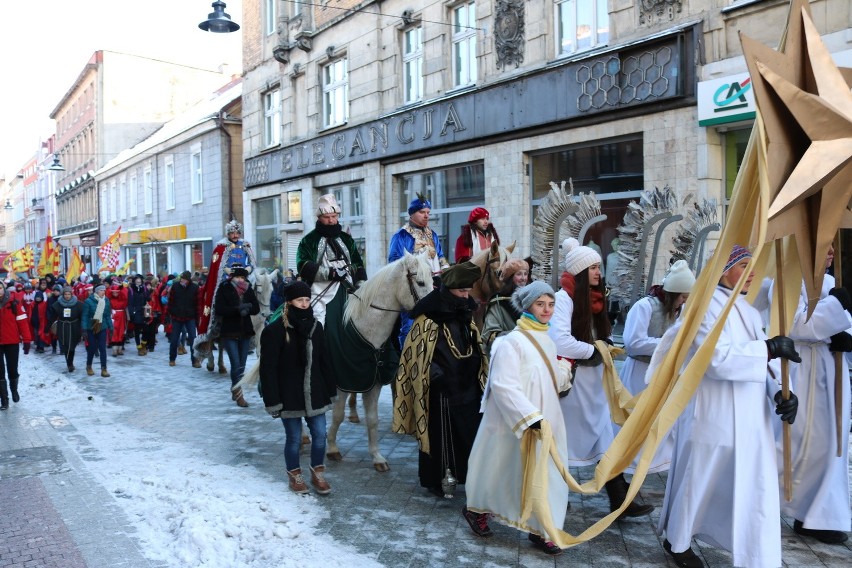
(521, 391)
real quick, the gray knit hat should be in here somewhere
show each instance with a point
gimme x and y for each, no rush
(524, 297)
(100, 288)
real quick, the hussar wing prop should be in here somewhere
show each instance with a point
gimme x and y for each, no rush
(553, 210)
(588, 213)
(639, 238)
(691, 237)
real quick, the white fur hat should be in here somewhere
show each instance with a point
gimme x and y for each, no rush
(679, 279)
(578, 258)
(327, 204)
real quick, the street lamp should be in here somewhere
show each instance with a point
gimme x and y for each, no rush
(218, 21)
(56, 166)
(8, 205)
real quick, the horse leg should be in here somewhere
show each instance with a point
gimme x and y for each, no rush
(222, 369)
(371, 411)
(210, 361)
(353, 408)
(331, 450)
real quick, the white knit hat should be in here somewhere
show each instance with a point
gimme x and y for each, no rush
(578, 258)
(679, 279)
(328, 204)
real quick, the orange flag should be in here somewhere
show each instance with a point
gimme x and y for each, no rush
(75, 267)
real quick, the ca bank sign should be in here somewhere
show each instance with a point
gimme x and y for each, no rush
(728, 99)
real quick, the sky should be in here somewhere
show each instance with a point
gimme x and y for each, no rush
(187, 510)
(46, 43)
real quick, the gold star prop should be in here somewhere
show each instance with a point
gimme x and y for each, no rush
(806, 107)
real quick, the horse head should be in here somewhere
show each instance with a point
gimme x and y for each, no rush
(489, 262)
(418, 277)
(263, 288)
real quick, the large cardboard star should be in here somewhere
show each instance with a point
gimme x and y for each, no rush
(806, 105)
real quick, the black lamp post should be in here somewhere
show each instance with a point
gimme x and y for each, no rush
(218, 21)
(8, 205)
(56, 166)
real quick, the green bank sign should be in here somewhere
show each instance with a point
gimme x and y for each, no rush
(729, 99)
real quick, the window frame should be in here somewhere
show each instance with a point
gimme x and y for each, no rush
(196, 174)
(148, 182)
(335, 91)
(169, 182)
(269, 17)
(596, 39)
(463, 36)
(122, 198)
(133, 195)
(412, 79)
(113, 201)
(271, 117)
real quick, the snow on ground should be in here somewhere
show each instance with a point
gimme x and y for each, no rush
(187, 510)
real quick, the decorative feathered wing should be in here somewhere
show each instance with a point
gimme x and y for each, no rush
(631, 246)
(555, 208)
(692, 233)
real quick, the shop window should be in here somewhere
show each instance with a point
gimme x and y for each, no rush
(266, 214)
(464, 44)
(735, 142)
(352, 214)
(581, 25)
(412, 62)
(612, 169)
(453, 192)
(335, 93)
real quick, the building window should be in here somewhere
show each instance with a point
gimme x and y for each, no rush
(269, 21)
(335, 93)
(195, 179)
(272, 118)
(122, 199)
(453, 192)
(266, 214)
(134, 196)
(352, 213)
(581, 24)
(113, 203)
(170, 182)
(148, 182)
(412, 62)
(464, 45)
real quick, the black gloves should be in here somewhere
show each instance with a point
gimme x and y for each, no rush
(436, 281)
(309, 272)
(782, 346)
(536, 425)
(360, 275)
(337, 274)
(786, 409)
(596, 358)
(245, 308)
(841, 343)
(26, 347)
(842, 295)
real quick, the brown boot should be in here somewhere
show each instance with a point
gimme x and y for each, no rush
(104, 372)
(297, 482)
(237, 395)
(90, 371)
(142, 349)
(181, 350)
(196, 363)
(321, 486)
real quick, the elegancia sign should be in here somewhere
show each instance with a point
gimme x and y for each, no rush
(728, 99)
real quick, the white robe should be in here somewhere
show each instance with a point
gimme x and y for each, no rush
(820, 478)
(723, 482)
(638, 342)
(519, 392)
(586, 410)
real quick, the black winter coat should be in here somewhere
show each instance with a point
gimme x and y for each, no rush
(136, 304)
(183, 301)
(283, 377)
(232, 324)
(69, 325)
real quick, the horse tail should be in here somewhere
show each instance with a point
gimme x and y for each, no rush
(250, 377)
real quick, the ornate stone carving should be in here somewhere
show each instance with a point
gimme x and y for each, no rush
(281, 53)
(509, 32)
(652, 11)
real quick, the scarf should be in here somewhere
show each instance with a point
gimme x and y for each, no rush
(596, 297)
(67, 303)
(302, 322)
(99, 311)
(241, 286)
(528, 322)
(329, 231)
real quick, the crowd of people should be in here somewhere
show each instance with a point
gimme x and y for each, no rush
(480, 401)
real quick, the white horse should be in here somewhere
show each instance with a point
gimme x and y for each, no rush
(370, 315)
(263, 284)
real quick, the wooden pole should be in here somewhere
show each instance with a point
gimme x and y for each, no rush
(785, 373)
(839, 359)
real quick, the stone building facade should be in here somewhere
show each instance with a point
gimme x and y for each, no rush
(484, 102)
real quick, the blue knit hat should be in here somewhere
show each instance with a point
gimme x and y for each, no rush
(737, 254)
(419, 202)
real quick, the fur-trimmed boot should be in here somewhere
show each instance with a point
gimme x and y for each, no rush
(142, 349)
(13, 386)
(297, 482)
(321, 486)
(237, 396)
(616, 489)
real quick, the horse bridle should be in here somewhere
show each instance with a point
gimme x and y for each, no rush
(411, 277)
(488, 270)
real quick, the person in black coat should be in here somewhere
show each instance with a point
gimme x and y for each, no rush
(67, 312)
(297, 382)
(235, 303)
(183, 307)
(139, 296)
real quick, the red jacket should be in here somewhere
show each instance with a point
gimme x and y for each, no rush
(14, 325)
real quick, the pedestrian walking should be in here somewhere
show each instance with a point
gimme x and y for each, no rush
(68, 314)
(97, 325)
(37, 313)
(235, 303)
(525, 380)
(14, 331)
(54, 296)
(119, 297)
(183, 307)
(297, 383)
